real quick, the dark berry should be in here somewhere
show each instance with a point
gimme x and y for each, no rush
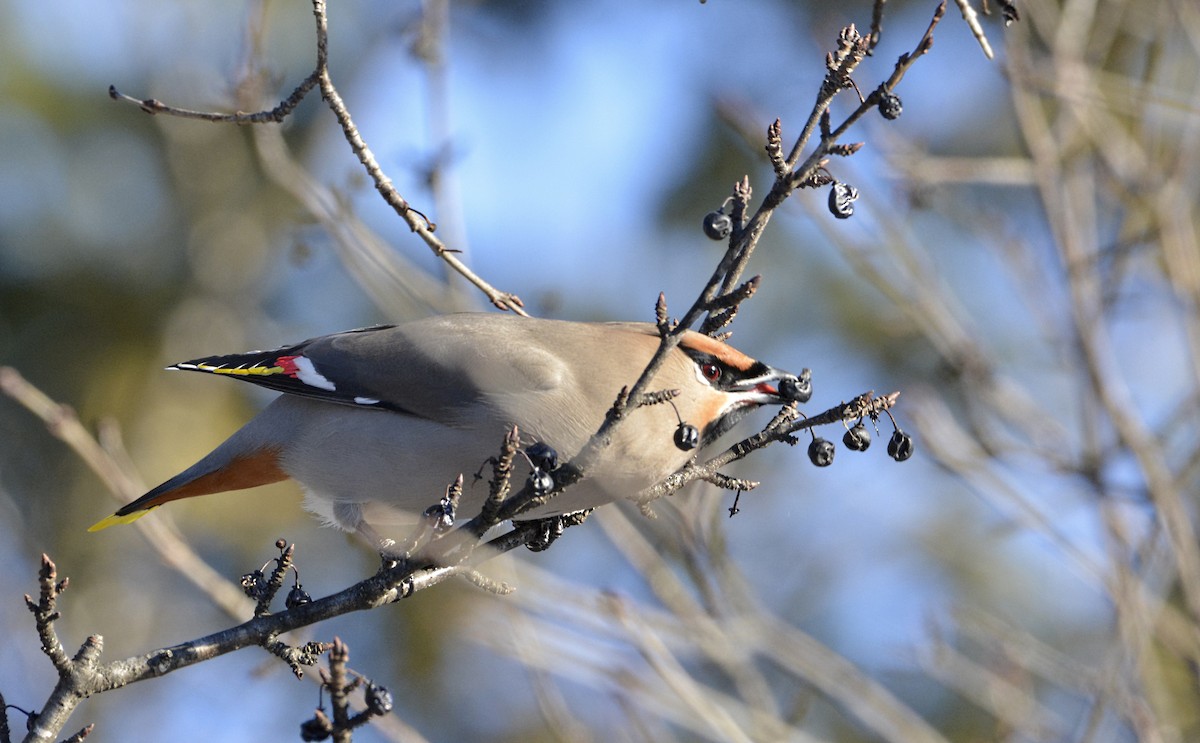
(717, 225)
(440, 515)
(797, 389)
(687, 436)
(540, 482)
(841, 199)
(543, 456)
(900, 446)
(820, 452)
(857, 438)
(549, 530)
(890, 106)
(315, 728)
(253, 583)
(297, 597)
(379, 700)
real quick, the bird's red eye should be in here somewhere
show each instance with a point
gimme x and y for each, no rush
(710, 371)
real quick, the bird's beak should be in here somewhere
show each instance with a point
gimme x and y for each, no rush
(773, 386)
(763, 386)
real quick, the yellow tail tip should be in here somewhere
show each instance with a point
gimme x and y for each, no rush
(116, 519)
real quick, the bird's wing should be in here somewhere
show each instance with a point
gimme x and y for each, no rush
(429, 368)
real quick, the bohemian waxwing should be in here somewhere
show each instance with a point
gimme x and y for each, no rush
(375, 423)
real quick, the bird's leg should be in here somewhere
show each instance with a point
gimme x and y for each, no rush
(349, 516)
(389, 556)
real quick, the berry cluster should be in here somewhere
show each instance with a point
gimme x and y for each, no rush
(319, 727)
(262, 588)
(858, 438)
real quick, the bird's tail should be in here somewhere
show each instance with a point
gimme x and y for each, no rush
(216, 473)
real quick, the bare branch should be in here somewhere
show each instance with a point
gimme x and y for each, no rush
(320, 77)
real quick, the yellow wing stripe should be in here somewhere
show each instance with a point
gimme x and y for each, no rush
(247, 371)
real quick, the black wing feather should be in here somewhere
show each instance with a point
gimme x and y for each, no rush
(286, 369)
